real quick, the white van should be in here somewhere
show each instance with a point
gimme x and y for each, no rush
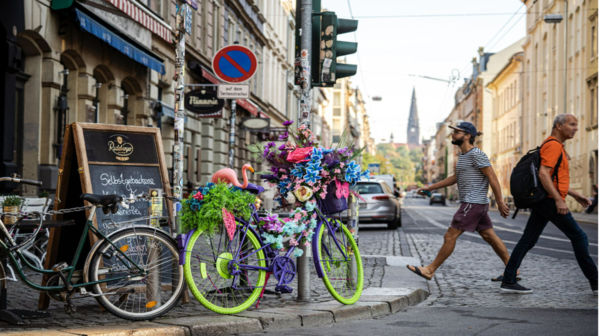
(389, 179)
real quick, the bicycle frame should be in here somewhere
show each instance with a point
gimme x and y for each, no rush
(89, 227)
(272, 254)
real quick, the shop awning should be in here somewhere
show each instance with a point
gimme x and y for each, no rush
(106, 35)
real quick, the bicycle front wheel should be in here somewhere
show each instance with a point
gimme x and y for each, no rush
(340, 261)
(220, 281)
(136, 294)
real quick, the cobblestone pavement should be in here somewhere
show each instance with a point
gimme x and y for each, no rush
(89, 313)
(464, 279)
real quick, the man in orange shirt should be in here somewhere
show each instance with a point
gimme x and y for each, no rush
(553, 209)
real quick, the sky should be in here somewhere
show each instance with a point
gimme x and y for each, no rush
(426, 44)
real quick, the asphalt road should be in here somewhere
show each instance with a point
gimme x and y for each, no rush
(435, 219)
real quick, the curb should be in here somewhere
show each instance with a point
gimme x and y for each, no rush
(254, 321)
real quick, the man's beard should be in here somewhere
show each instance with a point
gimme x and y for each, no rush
(458, 142)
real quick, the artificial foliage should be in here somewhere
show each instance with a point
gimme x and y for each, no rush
(203, 210)
(299, 227)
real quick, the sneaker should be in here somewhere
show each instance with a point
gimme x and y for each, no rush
(515, 289)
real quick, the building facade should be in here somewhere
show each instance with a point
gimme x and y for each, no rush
(560, 76)
(506, 121)
(62, 73)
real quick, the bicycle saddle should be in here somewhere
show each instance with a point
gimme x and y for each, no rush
(103, 200)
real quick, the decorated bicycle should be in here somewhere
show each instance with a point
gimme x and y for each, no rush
(231, 248)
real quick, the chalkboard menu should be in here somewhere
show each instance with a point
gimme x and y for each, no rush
(106, 160)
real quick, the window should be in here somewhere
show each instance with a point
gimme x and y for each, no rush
(154, 5)
(594, 44)
(337, 126)
(337, 99)
(216, 27)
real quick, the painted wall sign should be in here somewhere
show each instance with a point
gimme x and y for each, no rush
(203, 101)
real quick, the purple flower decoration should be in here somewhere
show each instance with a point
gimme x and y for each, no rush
(333, 164)
(288, 123)
(282, 147)
(271, 144)
(284, 136)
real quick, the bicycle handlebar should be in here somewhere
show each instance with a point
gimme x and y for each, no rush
(20, 180)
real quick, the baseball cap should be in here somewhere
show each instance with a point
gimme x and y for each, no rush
(466, 127)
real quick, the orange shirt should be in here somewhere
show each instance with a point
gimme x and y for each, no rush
(550, 153)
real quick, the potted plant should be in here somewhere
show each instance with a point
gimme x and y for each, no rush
(11, 204)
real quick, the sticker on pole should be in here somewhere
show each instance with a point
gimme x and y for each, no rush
(234, 64)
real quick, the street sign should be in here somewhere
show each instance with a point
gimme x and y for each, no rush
(188, 20)
(234, 64)
(202, 101)
(374, 168)
(233, 91)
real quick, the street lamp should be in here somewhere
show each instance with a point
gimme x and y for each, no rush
(554, 19)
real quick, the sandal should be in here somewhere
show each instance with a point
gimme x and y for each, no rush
(501, 278)
(417, 271)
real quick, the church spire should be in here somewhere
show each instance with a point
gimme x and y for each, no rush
(412, 130)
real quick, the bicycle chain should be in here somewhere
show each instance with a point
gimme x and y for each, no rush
(49, 213)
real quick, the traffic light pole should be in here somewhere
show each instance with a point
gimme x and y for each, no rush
(306, 8)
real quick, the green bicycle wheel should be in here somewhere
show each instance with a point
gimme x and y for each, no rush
(342, 272)
(208, 270)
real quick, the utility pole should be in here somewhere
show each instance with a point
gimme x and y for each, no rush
(304, 11)
(180, 31)
(232, 133)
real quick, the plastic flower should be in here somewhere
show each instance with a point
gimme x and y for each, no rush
(303, 193)
(299, 155)
(284, 136)
(288, 123)
(326, 151)
(317, 154)
(312, 176)
(298, 253)
(297, 171)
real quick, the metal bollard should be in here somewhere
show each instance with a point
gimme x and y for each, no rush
(353, 227)
(303, 273)
(153, 283)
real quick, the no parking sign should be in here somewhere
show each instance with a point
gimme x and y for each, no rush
(234, 64)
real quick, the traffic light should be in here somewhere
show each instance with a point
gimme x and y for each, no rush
(329, 70)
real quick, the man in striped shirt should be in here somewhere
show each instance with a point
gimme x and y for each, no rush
(473, 175)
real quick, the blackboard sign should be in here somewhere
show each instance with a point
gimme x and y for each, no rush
(106, 160)
(114, 180)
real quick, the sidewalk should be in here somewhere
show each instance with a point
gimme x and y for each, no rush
(580, 217)
(389, 287)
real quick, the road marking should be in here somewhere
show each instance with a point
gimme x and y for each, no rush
(438, 224)
(499, 228)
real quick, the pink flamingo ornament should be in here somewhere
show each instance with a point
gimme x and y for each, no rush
(228, 175)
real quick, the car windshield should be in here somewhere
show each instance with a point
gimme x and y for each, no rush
(367, 188)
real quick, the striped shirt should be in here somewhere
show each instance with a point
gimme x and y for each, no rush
(472, 184)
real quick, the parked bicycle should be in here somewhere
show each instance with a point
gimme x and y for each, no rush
(228, 275)
(133, 271)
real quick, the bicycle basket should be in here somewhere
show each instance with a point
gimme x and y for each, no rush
(331, 204)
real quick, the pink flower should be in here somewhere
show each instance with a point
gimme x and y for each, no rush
(303, 126)
(289, 186)
(299, 155)
(284, 176)
(341, 164)
(298, 216)
(311, 184)
(322, 195)
(337, 171)
(315, 189)
(325, 173)
(315, 214)
(307, 243)
(293, 242)
(271, 185)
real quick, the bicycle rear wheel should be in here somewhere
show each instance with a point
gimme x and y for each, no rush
(341, 262)
(221, 285)
(143, 295)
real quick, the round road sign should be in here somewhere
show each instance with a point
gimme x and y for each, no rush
(234, 64)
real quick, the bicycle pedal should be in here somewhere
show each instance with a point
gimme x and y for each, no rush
(60, 266)
(284, 289)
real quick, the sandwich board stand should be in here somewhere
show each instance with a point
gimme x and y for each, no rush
(105, 159)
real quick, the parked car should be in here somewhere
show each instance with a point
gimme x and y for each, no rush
(437, 198)
(382, 205)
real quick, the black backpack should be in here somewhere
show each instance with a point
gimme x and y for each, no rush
(525, 185)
